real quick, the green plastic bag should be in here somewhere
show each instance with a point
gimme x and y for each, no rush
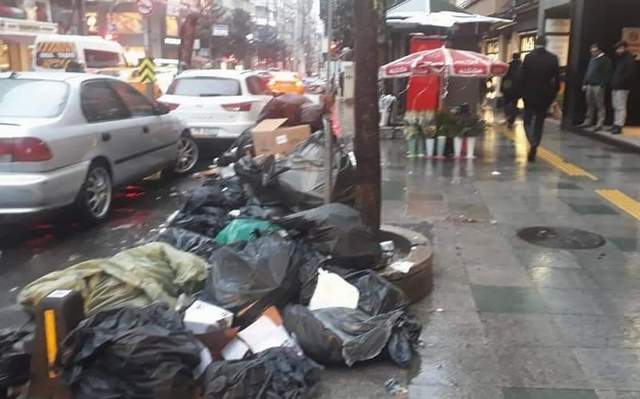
(244, 230)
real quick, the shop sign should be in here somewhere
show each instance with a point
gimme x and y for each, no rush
(557, 25)
(632, 37)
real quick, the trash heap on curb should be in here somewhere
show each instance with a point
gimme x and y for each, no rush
(251, 289)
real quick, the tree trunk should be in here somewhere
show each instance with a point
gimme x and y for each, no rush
(367, 138)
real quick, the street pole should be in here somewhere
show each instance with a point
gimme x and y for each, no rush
(328, 134)
(81, 16)
(367, 138)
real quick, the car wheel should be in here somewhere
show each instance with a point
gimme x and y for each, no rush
(188, 155)
(94, 199)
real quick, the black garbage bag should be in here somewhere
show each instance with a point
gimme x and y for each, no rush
(340, 335)
(260, 177)
(337, 230)
(377, 295)
(287, 106)
(189, 241)
(307, 261)
(311, 114)
(303, 181)
(206, 221)
(132, 353)
(254, 210)
(237, 150)
(274, 373)
(216, 192)
(404, 340)
(15, 361)
(260, 271)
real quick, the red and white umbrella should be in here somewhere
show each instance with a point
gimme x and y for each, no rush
(446, 62)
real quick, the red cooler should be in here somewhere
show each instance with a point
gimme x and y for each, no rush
(424, 91)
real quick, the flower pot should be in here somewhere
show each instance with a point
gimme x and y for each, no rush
(441, 141)
(457, 146)
(430, 145)
(471, 147)
(420, 147)
(412, 147)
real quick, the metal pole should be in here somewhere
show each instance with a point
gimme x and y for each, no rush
(148, 86)
(328, 134)
(81, 16)
(329, 41)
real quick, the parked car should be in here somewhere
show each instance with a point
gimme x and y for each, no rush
(71, 138)
(217, 104)
(314, 85)
(286, 82)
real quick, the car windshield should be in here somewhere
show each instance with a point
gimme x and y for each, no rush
(32, 98)
(205, 87)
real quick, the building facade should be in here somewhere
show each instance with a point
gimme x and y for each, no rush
(20, 22)
(590, 21)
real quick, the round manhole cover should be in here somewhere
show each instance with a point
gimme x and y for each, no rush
(561, 237)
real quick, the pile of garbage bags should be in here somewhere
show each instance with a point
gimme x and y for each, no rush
(249, 290)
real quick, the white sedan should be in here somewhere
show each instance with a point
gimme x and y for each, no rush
(71, 138)
(217, 104)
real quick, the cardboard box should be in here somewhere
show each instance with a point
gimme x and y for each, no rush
(202, 318)
(270, 138)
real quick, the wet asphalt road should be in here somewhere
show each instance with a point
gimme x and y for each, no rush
(33, 248)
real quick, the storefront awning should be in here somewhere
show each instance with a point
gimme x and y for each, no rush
(439, 13)
(445, 19)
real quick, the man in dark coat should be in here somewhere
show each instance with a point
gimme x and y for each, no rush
(511, 90)
(623, 80)
(540, 82)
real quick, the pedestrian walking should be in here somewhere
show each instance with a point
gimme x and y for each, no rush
(595, 83)
(622, 81)
(510, 89)
(540, 83)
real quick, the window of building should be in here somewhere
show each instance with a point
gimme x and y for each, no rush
(527, 44)
(492, 49)
(5, 57)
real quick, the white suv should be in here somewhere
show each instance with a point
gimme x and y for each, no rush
(217, 104)
(69, 138)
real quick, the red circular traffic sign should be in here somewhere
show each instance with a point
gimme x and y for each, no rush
(145, 7)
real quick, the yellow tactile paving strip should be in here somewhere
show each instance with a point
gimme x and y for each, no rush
(622, 201)
(557, 162)
(566, 167)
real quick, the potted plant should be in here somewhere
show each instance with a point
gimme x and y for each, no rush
(445, 127)
(412, 133)
(471, 127)
(430, 131)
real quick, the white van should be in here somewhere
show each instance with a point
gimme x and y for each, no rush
(53, 52)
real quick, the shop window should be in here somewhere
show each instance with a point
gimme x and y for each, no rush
(127, 22)
(527, 44)
(5, 57)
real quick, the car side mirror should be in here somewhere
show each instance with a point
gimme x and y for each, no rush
(161, 109)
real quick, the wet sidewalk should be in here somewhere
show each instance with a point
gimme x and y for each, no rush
(511, 319)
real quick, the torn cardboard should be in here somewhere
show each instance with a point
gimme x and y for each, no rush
(271, 138)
